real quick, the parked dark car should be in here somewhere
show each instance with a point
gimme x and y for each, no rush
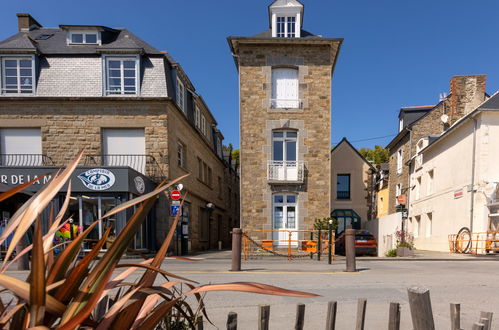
(365, 243)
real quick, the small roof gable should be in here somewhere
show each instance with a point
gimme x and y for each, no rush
(283, 4)
(345, 141)
(19, 42)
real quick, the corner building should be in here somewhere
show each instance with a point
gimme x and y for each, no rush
(285, 120)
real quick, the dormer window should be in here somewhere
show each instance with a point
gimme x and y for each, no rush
(122, 75)
(286, 27)
(84, 38)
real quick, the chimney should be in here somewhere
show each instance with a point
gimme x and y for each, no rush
(467, 93)
(27, 23)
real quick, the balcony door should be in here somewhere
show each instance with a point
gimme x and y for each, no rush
(284, 156)
(124, 147)
(284, 220)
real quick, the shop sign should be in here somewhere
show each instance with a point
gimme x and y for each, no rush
(97, 179)
(17, 179)
(140, 185)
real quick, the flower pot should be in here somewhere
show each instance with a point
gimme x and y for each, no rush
(405, 252)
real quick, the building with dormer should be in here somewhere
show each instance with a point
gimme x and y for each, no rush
(138, 118)
(285, 77)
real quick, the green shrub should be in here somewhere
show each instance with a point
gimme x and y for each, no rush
(405, 244)
(391, 253)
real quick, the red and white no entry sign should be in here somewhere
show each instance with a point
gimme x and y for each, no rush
(175, 195)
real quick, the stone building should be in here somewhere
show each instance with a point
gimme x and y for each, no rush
(352, 190)
(285, 121)
(418, 124)
(132, 109)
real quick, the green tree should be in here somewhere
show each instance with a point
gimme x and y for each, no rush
(377, 155)
(235, 155)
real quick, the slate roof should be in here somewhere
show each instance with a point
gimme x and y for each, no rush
(491, 104)
(54, 42)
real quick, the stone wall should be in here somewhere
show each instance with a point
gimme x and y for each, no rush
(312, 122)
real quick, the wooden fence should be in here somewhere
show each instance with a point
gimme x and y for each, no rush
(419, 303)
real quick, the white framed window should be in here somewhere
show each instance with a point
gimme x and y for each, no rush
(21, 147)
(400, 156)
(180, 155)
(181, 95)
(285, 212)
(401, 124)
(84, 37)
(429, 224)
(417, 188)
(285, 88)
(286, 27)
(18, 75)
(124, 147)
(429, 186)
(417, 229)
(203, 124)
(197, 117)
(122, 75)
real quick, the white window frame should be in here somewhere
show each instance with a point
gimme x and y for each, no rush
(400, 157)
(197, 117)
(429, 224)
(180, 96)
(3, 89)
(398, 192)
(285, 206)
(107, 77)
(417, 188)
(84, 34)
(203, 125)
(277, 101)
(287, 23)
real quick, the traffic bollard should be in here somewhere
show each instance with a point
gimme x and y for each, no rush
(350, 250)
(236, 249)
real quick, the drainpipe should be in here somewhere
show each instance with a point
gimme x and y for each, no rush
(473, 161)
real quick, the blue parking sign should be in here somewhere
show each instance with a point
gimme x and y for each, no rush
(174, 209)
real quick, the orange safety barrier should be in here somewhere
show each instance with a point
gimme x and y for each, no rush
(286, 243)
(474, 243)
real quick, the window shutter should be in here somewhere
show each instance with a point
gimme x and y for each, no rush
(285, 87)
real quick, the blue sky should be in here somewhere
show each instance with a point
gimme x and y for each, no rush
(396, 53)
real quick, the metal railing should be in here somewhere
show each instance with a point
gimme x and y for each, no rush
(474, 243)
(145, 164)
(286, 171)
(342, 195)
(290, 244)
(25, 160)
(286, 104)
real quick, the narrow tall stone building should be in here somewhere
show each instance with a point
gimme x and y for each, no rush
(285, 120)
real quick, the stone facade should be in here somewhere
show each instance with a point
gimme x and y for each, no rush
(312, 121)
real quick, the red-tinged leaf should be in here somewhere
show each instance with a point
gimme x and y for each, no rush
(54, 285)
(108, 319)
(202, 306)
(7, 317)
(90, 301)
(184, 258)
(67, 256)
(40, 327)
(78, 274)
(54, 227)
(152, 320)
(11, 192)
(21, 289)
(36, 206)
(115, 251)
(37, 279)
(252, 287)
(155, 269)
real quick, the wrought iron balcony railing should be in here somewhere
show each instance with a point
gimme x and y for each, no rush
(286, 171)
(286, 104)
(343, 195)
(145, 164)
(20, 160)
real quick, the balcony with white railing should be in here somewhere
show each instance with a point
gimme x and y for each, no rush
(25, 160)
(286, 172)
(286, 104)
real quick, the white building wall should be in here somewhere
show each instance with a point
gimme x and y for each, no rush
(384, 230)
(450, 159)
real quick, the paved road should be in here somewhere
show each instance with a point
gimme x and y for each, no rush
(470, 281)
